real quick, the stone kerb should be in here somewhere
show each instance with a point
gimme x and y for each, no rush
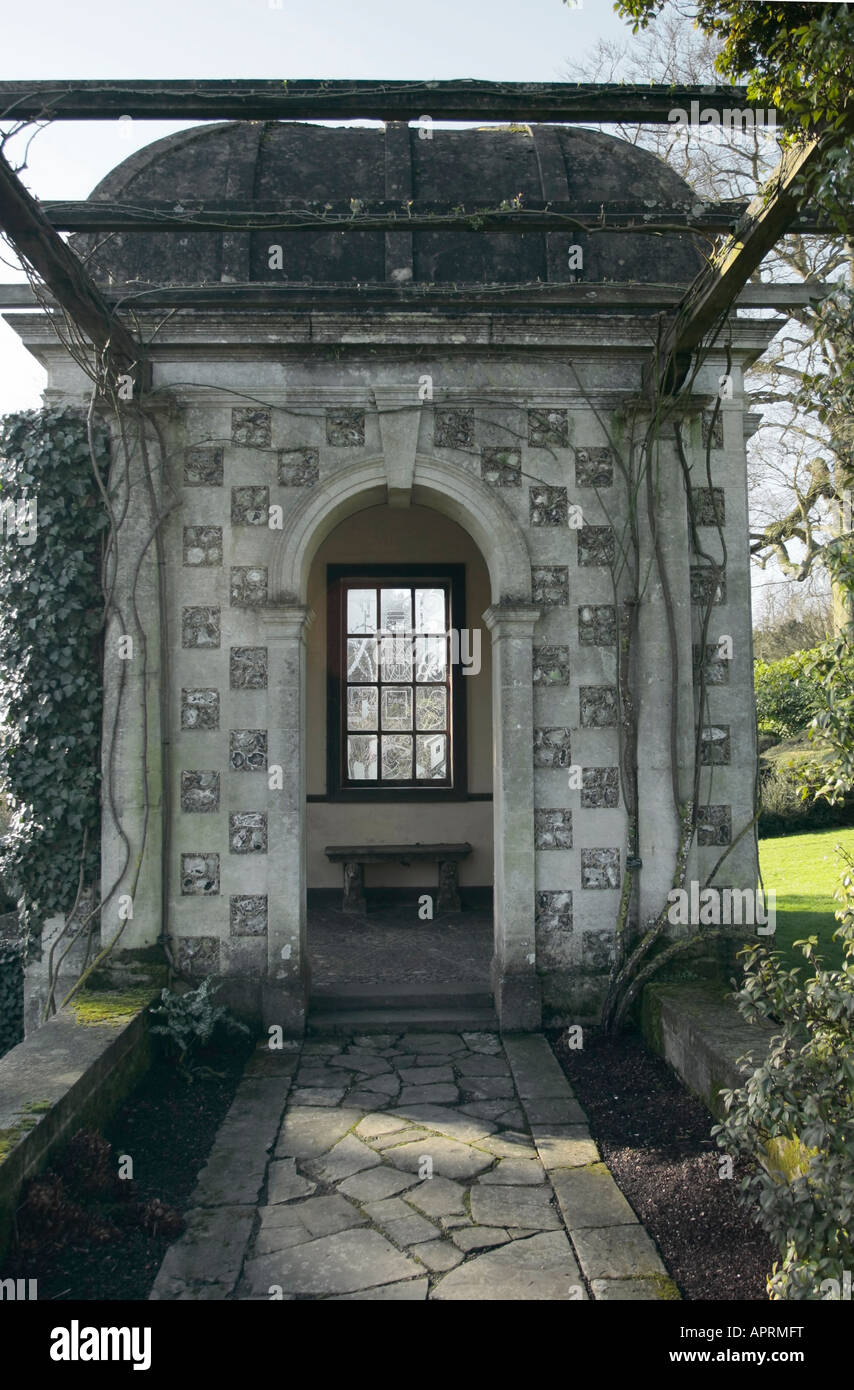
(614, 1252)
(69, 1074)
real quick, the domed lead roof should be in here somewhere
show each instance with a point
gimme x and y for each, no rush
(275, 161)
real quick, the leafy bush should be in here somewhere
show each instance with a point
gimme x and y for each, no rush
(190, 1021)
(784, 808)
(50, 683)
(834, 668)
(788, 695)
(795, 1115)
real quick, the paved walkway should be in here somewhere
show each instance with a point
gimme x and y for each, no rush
(423, 1165)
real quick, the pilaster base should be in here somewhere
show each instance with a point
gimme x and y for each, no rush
(518, 1002)
(284, 1005)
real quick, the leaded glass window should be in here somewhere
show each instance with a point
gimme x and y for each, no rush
(396, 706)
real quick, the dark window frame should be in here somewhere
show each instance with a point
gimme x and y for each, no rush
(405, 574)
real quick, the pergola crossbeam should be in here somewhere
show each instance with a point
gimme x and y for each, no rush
(457, 100)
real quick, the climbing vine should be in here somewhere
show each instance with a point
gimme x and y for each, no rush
(51, 616)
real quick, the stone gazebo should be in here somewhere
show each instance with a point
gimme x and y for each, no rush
(423, 412)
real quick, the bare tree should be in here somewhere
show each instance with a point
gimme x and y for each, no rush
(799, 467)
(793, 618)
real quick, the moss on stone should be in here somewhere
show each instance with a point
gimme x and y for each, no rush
(651, 1025)
(9, 1137)
(91, 1007)
(131, 972)
(664, 1287)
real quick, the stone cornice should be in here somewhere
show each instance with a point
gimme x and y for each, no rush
(272, 336)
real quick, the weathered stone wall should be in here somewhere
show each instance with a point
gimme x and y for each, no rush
(543, 451)
(70, 1074)
(729, 744)
(509, 444)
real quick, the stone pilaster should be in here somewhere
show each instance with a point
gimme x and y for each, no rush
(658, 702)
(132, 738)
(285, 993)
(515, 982)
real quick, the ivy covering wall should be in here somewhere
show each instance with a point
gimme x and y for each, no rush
(11, 995)
(51, 619)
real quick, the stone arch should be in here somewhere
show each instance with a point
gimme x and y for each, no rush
(447, 489)
(510, 618)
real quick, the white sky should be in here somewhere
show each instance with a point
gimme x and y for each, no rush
(527, 40)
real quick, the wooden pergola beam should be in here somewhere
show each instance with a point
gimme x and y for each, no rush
(261, 296)
(767, 217)
(462, 100)
(394, 216)
(26, 226)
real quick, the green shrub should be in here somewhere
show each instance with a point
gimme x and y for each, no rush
(794, 1116)
(784, 810)
(788, 696)
(834, 668)
(190, 1021)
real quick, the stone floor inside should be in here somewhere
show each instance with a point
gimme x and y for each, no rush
(414, 1166)
(390, 945)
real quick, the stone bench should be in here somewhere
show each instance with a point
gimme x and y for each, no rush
(355, 857)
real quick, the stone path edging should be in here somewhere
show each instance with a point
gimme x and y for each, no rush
(616, 1255)
(205, 1262)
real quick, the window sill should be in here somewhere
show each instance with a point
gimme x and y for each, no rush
(389, 797)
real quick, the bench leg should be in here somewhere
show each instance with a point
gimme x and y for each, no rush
(449, 896)
(354, 888)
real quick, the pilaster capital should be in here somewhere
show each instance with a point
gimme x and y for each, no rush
(515, 619)
(285, 621)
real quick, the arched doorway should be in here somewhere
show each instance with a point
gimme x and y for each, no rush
(509, 618)
(393, 764)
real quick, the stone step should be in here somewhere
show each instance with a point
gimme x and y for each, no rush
(399, 1020)
(394, 996)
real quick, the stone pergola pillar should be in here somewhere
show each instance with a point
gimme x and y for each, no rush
(286, 989)
(515, 982)
(658, 702)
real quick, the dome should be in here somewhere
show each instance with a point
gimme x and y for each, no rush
(277, 161)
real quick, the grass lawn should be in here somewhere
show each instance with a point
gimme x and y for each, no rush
(805, 871)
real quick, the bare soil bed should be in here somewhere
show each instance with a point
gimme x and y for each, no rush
(86, 1235)
(654, 1137)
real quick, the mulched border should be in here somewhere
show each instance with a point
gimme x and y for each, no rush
(167, 1125)
(654, 1137)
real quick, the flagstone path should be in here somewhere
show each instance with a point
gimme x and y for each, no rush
(409, 1166)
